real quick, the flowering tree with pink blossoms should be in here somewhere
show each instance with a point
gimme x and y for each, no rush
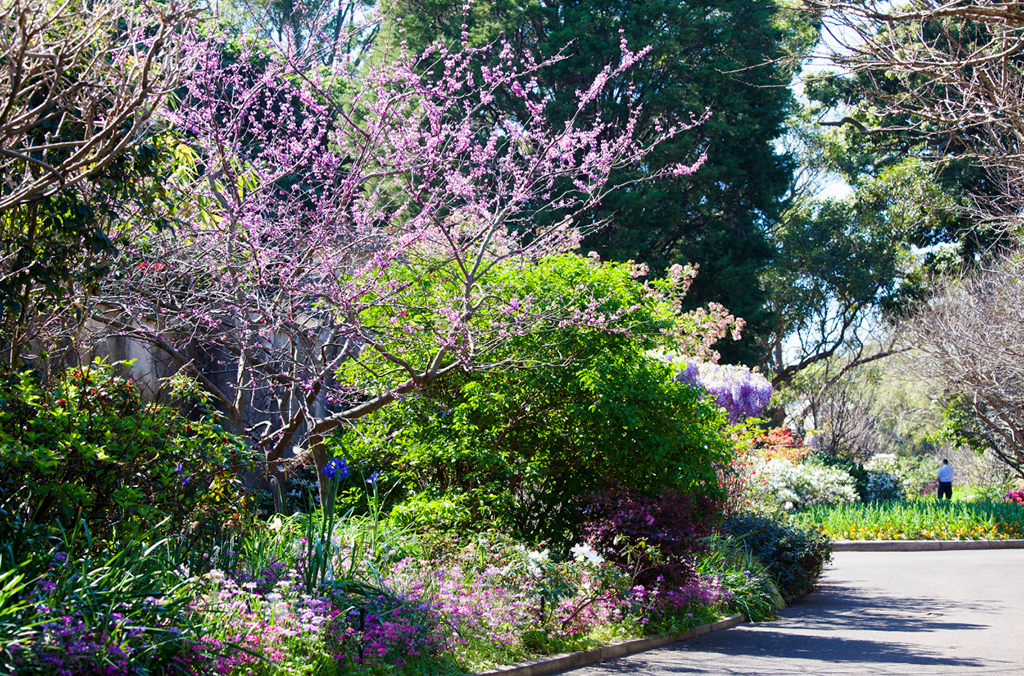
(344, 239)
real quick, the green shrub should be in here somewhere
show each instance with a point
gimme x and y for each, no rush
(795, 556)
(90, 447)
(523, 448)
(854, 469)
(916, 472)
(974, 493)
(752, 587)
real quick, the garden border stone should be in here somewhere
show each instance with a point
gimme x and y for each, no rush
(922, 545)
(550, 665)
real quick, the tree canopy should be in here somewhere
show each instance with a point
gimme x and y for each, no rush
(706, 55)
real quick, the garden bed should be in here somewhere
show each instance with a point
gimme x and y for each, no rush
(918, 520)
(923, 545)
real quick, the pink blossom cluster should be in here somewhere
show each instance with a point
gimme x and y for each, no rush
(488, 603)
(350, 253)
(257, 625)
(270, 618)
(505, 604)
(656, 603)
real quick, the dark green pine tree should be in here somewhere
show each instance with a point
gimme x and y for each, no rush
(714, 54)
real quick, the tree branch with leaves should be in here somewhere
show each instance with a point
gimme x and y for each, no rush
(344, 239)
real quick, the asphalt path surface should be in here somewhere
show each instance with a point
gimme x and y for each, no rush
(884, 613)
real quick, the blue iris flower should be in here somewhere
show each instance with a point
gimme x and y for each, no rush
(373, 478)
(336, 468)
(178, 470)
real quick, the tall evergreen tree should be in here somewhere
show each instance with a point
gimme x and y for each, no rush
(704, 54)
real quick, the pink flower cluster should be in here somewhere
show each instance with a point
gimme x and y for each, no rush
(657, 602)
(262, 624)
(381, 227)
(276, 623)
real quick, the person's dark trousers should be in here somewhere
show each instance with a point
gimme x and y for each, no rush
(946, 489)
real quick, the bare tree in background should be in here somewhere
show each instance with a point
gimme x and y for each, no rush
(80, 82)
(839, 399)
(951, 71)
(972, 336)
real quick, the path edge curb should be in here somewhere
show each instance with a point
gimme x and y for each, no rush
(922, 545)
(556, 663)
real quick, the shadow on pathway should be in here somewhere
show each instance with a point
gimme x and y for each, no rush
(886, 614)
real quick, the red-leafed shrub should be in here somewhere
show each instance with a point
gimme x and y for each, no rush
(652, 538)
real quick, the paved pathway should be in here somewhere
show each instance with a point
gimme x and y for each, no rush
(874, 613)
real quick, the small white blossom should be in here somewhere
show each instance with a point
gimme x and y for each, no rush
(534, 561)
(540, 557)
(585, 553)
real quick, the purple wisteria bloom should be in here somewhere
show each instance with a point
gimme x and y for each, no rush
(740, 392)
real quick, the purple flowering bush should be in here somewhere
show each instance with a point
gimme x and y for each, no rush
(285, 630)
(346, 626)
(653, 539)
(305, 595)
(742, 393)
(502, 602)
(661, 610)
(467, 602)
(405, 604)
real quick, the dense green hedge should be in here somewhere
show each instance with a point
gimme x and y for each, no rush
(794, 555)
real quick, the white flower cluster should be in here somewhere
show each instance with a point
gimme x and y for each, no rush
(882, 487)
(793, 486)
(884, 481)
(584, 553)
(534, 560)
(883, 462)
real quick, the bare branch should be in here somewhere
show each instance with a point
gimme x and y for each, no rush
(971, 333)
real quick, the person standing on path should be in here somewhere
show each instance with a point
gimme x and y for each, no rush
(945, 476)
